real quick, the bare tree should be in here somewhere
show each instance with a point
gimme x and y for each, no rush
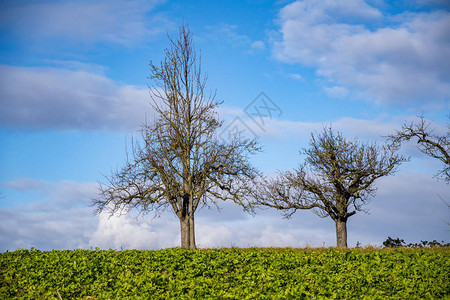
(180, 163)
(335, 180)
(434, 145)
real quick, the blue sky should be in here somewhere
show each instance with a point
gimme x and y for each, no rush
(74, 89)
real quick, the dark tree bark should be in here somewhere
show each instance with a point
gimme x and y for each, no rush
(335, 181)
(180, 164)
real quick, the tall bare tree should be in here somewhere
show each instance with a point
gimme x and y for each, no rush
(180, 164)
(335, 180)
(428, 142)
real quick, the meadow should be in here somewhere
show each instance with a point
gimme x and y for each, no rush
(228, 273)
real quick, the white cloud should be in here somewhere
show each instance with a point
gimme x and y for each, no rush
(288, 134)
(350, 127)
(297, 77)
(267, 228)
(115, 21)
(22, 184)
(125, 232)
(407, 206)
(336, 91)
(228, 35)
(213, 236)
(57, 217)
(271, 238)
(402, 64)
(259, 45)
(62, 193)
(331, 11)
(40, 98)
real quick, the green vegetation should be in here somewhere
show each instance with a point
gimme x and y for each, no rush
(253, 273)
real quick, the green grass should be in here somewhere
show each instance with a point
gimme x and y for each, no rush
(250, 273)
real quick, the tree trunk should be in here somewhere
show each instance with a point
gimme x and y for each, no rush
(187, 232)
(192, 232)
(185, 235)
(341, 233)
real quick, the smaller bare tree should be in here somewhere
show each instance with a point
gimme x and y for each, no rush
(428, 142)
(335, 181)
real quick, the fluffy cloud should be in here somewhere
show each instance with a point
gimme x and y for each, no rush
(46, 215)
(116, 21)
(126, 232)
(404, 64)
(267, 228)
(408, 205)
(42, 98)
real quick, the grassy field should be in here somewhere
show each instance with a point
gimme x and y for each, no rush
(250, 273)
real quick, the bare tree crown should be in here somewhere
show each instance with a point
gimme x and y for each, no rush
(428, 142)
(336, 179)
(180, 163)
